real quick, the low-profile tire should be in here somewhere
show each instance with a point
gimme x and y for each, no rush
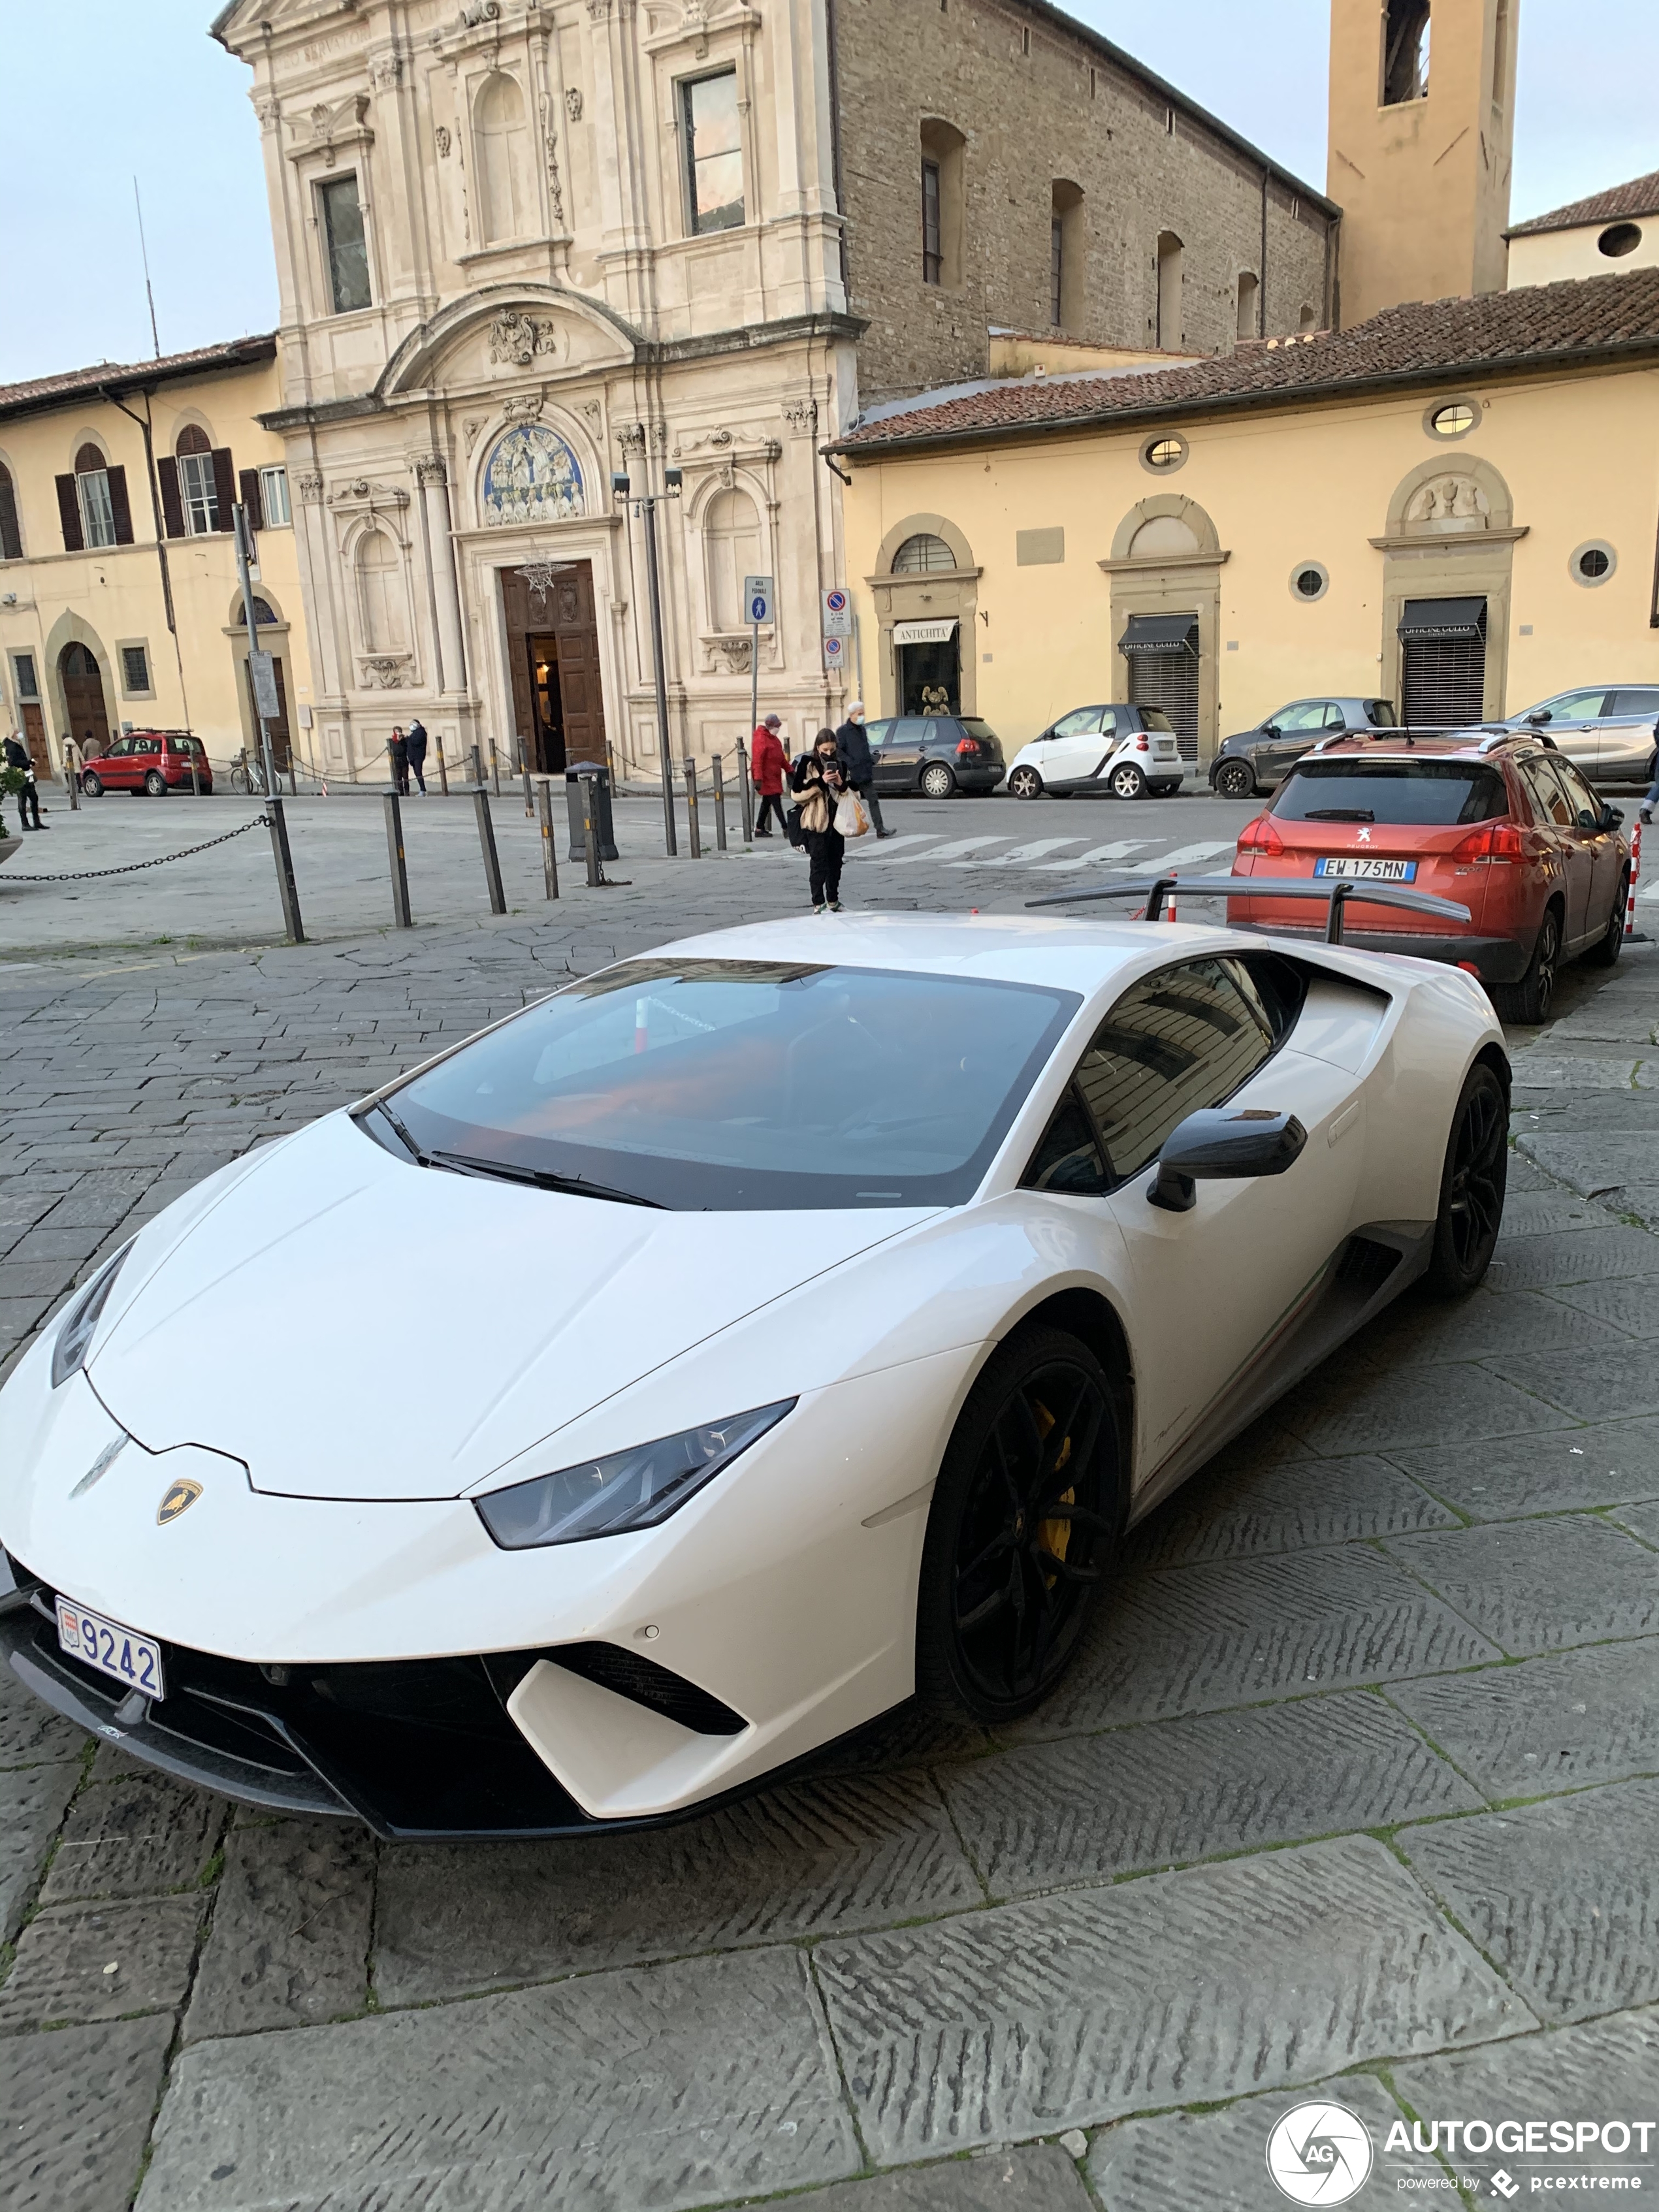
(1126, 783)
(1604, 953)
(92, 785)
(155, 784)
(936, 781)
(1025, 1515)
(1024, 783)
(1235, 778)
(1529, 1000)
(1471, 1185)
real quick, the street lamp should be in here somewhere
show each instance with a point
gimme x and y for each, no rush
(645, 504)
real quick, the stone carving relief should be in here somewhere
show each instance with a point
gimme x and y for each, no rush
(632, 439)
(551, 140)
(573, 102)
(735, 652)
(592, 410)
(386, 72)
(531, 477)
(310, 488)
(525, 408)
(345, 123)
(1449, 503)
(516, 338)
(429, 468)
(441, 136)
(471, 427)
(388, 672)
(801, 415)
(267, 107)
(360, 492)
(476, 12)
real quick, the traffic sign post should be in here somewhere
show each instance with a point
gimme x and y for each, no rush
(837, 614)
(757, 601)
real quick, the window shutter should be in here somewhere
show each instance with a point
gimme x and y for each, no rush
(118, 507)
(11, 538)
(249, 480)
(172, 507)
(224, 486)
(69, 513)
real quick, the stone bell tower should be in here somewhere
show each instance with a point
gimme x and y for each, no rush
(1422, 123)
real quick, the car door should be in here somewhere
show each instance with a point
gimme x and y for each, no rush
(1218, 1287)
(901, 752)
(1075, 747)
(1555, 809)
(1627, 734)
(1607, 861)
(879, 733)
(119, 768)
(1573, 722)
(1290, 734)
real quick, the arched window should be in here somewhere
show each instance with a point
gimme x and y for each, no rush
(381, 589)
(1309, 319)
(943, 221)
(731, 543)
(263, 612)
(1168, 291)
(1249, 295)
(11, 537)
(1162, 538)
(919, 554)
(1404, 51)
(198, 488)
(499, 134)
(92, 492)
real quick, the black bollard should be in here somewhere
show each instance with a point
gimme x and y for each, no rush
(286, 889)
(717, 771)
(691, 808)
(486, 841)
(746, 793)
(590, 838)
(394, 852)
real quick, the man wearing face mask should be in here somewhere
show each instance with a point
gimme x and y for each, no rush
(853, 743)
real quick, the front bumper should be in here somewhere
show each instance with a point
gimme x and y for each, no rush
(1495, 959)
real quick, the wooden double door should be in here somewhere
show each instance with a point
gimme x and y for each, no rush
(553, 652)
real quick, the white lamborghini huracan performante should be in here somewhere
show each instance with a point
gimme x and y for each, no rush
(724, 1350)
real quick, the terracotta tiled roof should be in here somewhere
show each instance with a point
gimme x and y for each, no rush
(1639, 196)
(1593, 319)
(126, 376)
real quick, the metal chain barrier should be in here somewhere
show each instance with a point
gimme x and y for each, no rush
(86, 875)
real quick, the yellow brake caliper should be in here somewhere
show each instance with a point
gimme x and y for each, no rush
(1055, 1535)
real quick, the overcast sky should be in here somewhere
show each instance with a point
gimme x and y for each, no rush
(105, 89)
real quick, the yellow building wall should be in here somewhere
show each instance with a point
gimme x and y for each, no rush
(1580, 458)
(113, 596)
(1554, 257)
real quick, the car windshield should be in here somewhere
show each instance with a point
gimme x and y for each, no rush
(1430, 793)
(730, 1085)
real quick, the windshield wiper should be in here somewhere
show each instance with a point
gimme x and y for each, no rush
(540, 1178)
(1339, 814)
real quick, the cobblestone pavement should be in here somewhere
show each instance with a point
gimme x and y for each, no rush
(1357, 1790)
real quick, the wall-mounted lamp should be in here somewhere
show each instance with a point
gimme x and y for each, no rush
(619, 485)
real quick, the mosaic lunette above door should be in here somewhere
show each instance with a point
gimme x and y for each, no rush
(531, 477)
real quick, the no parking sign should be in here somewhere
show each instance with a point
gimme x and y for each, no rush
(834, 652)
(837, 614)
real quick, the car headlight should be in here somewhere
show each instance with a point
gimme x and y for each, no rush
(625, 1490)
(76, 1333)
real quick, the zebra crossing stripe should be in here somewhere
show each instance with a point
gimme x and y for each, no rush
(873, 851)
(946, 852)
(1120, 851)
(1022, 856)
(1187, 854)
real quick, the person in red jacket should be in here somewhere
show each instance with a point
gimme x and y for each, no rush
(767, 763)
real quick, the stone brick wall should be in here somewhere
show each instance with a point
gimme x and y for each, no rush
(1061, 111)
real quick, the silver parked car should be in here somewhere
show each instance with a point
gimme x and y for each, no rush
(1607, 729)
(1259, 760)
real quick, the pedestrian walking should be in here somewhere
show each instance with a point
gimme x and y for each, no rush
(818, 780)
(852, 742)
(414, 747)
(768, 764)
(397, 747)
(29, 799)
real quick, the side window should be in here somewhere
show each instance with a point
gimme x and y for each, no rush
(1334, 717)
(1644, 703)
(877, 733)
(714, 152)
(1069, 1157)
(911, 730)
(1081, 722)
(345, 247)
(1549, 801)
(1183, 1038)
(1301, 714)
(1580, 797)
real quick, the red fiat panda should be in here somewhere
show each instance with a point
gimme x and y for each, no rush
(1499, 821)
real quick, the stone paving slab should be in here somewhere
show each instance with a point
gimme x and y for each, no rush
(77, 2106)
(1197, 1639)
(1488, 1326)
(1042, 2178)
(796, 1862)
(1603, 1464)
(1536, 1586)
(62, 1954)
(136, 1837)
(1590, 1256)
(1231, 1514)
(1642, 1521)
(1560, 1722)
(33, 1800)
(1563, 1897)
(1177, 1988)
(1603, 1161)
(1137, 1798)
(1338, 1411)
(610, 2094)
(1629, 1306)
(1609, 1382)
(291, 1930)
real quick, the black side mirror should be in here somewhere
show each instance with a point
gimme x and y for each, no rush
(1611, 817)
(1270, 730)
(1537, 722)
(1222, 1142)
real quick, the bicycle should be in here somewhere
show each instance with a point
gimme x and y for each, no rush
(247, 776)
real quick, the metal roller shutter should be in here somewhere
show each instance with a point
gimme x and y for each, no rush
(1168, 680)
(1445, 681)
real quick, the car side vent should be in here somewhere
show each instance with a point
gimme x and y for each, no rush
(1365, 1265)
(631, 1675)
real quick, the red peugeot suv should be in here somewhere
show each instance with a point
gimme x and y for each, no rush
(1499, 821)
(153, 761)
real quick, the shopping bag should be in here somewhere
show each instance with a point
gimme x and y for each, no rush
(851, 819)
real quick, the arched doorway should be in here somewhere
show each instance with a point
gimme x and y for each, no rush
(84, 698)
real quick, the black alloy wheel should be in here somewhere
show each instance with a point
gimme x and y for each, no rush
(1604, 953)
(1235, 778)
(1529, 1000)
(1025, 1517)
(1471, 1185)
(1024, 783)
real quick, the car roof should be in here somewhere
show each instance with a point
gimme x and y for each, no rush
(1478, 743)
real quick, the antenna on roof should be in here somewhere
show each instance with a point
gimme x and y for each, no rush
(144, 250)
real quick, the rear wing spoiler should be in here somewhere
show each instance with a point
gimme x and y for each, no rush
(1338, 894)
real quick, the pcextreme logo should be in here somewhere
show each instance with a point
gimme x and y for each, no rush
(1320, 2154)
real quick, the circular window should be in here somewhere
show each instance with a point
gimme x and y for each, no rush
(1592, 562)
(1164, 454)
(1455, 420)
(1309, 580)
(1619, 239)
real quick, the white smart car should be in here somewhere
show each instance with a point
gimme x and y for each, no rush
(1112, 752)
(702, 1362)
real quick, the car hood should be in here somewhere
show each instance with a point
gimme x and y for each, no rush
(351, 1326)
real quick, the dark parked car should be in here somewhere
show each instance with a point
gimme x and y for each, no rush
(152, 761)
(936, 754)
(1121, 752)
(1259, 760)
